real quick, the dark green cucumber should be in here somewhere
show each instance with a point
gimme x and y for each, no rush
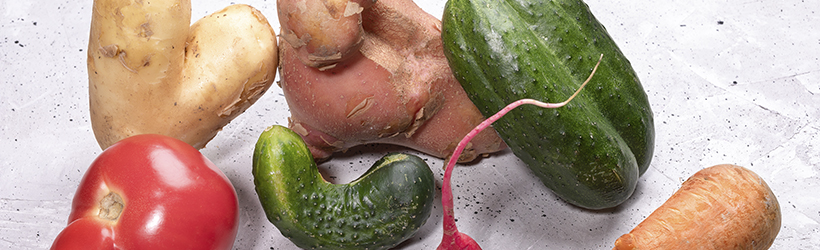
(379, 210)
(590, 152)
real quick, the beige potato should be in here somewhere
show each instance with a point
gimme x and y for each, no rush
(151, 71)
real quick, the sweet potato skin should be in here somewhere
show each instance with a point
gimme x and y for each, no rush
(389, 83)
(720, 207)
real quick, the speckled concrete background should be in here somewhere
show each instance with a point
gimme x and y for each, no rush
(729, 82)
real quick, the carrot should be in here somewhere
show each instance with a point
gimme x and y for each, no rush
(720, 207)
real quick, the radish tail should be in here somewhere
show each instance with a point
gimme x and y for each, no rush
(452, 238)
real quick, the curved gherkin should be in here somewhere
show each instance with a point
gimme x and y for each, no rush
(379, 210)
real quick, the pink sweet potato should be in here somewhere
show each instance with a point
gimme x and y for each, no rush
(362, 71)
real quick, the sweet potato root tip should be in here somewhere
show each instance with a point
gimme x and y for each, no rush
(323, 32)
(720, 207)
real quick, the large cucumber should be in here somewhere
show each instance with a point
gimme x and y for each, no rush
(379, 210)
(592, 151)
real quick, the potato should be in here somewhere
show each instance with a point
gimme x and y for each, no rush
(151, 71)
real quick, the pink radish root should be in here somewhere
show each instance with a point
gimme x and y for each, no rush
(453, 239)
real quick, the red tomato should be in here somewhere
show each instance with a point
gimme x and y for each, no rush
(152, 192)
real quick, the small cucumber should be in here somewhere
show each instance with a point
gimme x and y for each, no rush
(379, 210)
(592, 151)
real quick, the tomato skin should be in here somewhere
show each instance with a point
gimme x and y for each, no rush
(85, 234)
(174, 198)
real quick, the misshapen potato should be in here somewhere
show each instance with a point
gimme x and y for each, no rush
(151, 71)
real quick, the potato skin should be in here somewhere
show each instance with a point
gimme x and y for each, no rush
(720, 207)
(151, 72)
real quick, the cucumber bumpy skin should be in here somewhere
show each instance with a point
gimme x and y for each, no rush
(379, 210)
(592, 151)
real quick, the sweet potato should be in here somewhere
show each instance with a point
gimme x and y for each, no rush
(150, 71)
(363, 71)
(720, 207)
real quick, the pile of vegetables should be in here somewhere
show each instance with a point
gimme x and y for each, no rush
(159, 90)
(364, 71)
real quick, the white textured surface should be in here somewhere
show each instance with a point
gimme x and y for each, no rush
(729, 82)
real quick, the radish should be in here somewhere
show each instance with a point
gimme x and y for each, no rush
(453, 239)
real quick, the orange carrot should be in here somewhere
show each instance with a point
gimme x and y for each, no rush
(720, 207)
